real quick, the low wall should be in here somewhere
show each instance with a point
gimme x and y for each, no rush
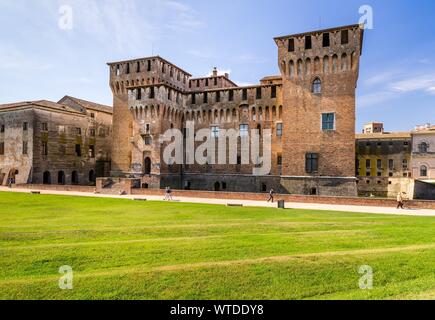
(53, 187)
(371, 202)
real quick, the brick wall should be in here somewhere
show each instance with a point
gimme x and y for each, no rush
(378, 202)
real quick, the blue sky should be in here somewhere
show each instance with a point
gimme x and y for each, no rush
(39, 60)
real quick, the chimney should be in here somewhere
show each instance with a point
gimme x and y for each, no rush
(215, 72)
(227, 75)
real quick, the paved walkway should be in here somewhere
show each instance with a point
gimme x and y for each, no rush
(246, 203)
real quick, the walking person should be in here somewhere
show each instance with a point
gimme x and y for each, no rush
(400, 201)
(166, 194)
(271, 194)
(169, 194)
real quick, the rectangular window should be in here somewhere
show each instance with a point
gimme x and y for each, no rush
(25, 126)
(2, 148)
(215, 81)
(258, 94)
(61, 129)
(206, 82)
(244, 130)
(24, 147)
(368, 164)
(91, 151)
(128, 68)
(312, 162)
(279, 127)
(78, 131)
(245, 94)
(291, 45)
(2, 128)
(379, 164)
(139, 94)
(152, 93)
(405, 164)
(138, 67)
(147, 140)
(92, 132)
(325, 41)
(231, 95)
(149, 66)
(205, 97)
(44, 126)
(308, 44)
(93, 115)
(193, 98)
(215, 132)
(78, 150)
(328, 121)
(44, 148)
(279, 160)
(118, 70)
(218, 96)
(391, 164)
(344, 37)
(273, 92)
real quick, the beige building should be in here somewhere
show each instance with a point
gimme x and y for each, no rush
(383, 162)
(309, 106)
(67, 142)
(423, 153)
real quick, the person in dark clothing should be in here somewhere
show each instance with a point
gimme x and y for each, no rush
(271, 194)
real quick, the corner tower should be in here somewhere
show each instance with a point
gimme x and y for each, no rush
(319, 73)
(147, 100)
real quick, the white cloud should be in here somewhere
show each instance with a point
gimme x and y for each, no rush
(415, 83)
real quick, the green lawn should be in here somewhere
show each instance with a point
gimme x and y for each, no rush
(122, 249)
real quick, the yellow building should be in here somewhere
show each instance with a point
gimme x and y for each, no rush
(383, 163)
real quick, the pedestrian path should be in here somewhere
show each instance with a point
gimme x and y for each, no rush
(245, 203)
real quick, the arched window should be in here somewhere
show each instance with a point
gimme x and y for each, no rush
(334, 63)
(299, 68)
(317, 86)
(92, 176)
(75, 177)
(423, 171)
(326, 64)
(147, 165)
(344, 62)
(61, 178)
(291, 69)
(423, 147)
(46, 177)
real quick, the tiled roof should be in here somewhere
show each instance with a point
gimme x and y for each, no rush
(39, 103)
(89, 105)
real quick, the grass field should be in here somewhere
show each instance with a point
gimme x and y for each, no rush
(121, 249)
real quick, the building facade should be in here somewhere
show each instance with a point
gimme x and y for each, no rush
(383, 162)
(309, 108)
(423, 153)
(68, 142)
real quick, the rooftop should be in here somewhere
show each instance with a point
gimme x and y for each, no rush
(89, 104)
(384, 135)
(39, 103)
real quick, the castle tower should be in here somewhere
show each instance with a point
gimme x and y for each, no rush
(319, 72)
(148, 100)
